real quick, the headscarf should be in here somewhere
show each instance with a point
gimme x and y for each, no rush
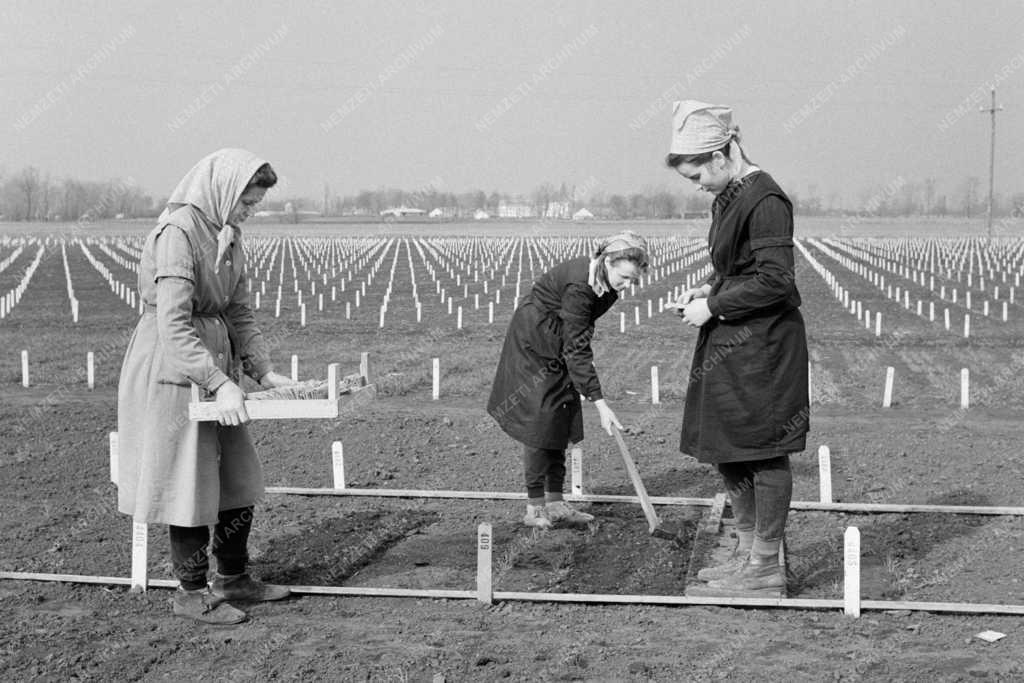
(214, 186)
(627, 239)
(699, 127)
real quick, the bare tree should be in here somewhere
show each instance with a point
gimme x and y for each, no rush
(28, 183)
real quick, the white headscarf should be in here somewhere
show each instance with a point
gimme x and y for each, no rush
(699, 127)
(214, 186)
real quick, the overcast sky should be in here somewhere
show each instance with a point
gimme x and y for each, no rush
(470, 94)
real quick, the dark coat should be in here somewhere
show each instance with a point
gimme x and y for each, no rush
(547, 362)
(746, 397)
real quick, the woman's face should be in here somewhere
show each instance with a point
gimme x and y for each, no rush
(246, 203)
(622, 273)
(712, 176)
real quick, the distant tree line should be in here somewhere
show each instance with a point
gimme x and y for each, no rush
(35, 196)
(32, 195)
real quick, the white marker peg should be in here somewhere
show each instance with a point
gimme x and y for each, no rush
(484, 543)
(622, 323)
(435, 391)
(851, 572)
(90, 370)
(890, 375)
(655, 390)
(338, 464)
(364, 365)
(113, 457)
(878, 324)
(24, 368)
(140, 542)
(824, 474)
(576, 459)
(967, 325)
(295, 368)
(965, 380)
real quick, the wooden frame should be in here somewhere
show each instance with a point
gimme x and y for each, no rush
(285, 409)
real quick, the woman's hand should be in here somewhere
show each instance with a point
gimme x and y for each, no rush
(231, 405)
(273, 380)
(688, 296)
(696, 313)
(608, 418)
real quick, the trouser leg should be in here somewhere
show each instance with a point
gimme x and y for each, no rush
(773, 486)
(188, 555)
(231, 540)
(739, 484)
(544, 469)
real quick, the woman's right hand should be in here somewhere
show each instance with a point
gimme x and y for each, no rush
(608, 418)
(688, 296)
(231, 405)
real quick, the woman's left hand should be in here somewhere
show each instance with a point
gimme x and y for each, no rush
(272, 380)
(696, 313)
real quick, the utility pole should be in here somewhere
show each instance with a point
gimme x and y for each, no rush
(991, 159)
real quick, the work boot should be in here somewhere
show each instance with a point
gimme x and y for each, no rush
(244, 588)
(753, 577)
(204, 606)
(537, 516)
(727, 568)
(560, 512)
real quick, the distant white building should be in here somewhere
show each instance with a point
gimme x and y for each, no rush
(481, 215)
(582, 215)
(398, 211)
(559, 209)
(507, 209)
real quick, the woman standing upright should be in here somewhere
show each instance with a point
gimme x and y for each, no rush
(547, 363)
(197, 327)
(746, 401)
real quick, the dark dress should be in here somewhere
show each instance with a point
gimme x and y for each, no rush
(746, 397)
(547, 362)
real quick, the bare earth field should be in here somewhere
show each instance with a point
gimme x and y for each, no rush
(59, 507)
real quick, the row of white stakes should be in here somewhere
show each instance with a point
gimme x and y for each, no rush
(965, 393)
(851, 537)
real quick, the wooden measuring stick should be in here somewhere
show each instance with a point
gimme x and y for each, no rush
(638, 484)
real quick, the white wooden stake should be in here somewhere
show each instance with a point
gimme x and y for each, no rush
(364, 365)
(490, 312)
(24, 368)
(967, 325)
(824, 474)
(484, 541)
(576, 458)
(622, 323)
(458, 324)
(295, 368)
(113, 457)
(140, 542)
(338, 464)
(90, 370)
(890, 375)
(655, 390)
(965, 379)
(945, 315)
(851, 572)
(435, 391)
(878, 324)
(302, 315)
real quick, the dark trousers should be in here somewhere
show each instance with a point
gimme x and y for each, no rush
(230, 547)
(760, 492)
(544, 469)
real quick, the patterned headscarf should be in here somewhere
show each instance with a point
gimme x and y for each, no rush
(627, 239)
(214, 186)
(699, 127)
